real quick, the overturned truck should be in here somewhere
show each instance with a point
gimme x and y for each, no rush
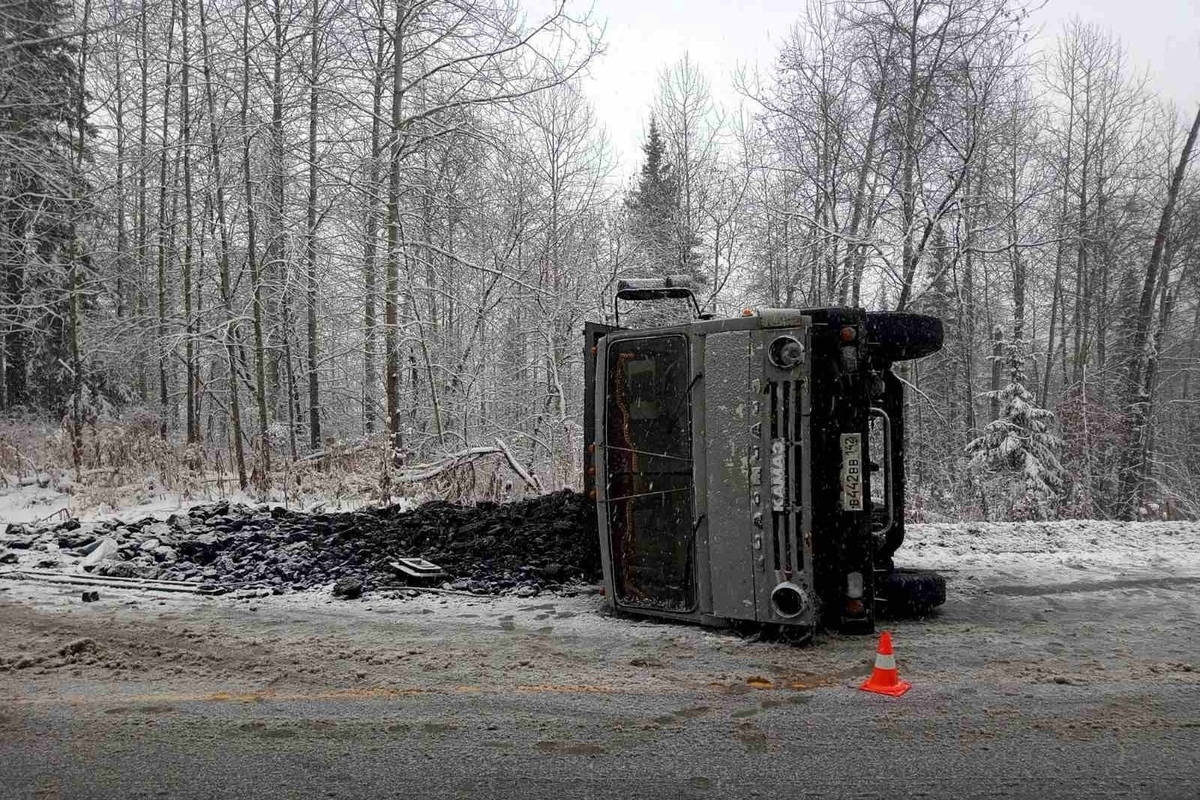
(751, 469)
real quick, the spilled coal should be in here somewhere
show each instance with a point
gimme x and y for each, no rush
(489, 548)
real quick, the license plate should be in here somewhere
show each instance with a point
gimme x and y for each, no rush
(852, 472)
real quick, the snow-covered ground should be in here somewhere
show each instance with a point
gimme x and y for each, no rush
(1053, 554)
(1059, 645)
(973, 555)
(29, 501)
(45, 498)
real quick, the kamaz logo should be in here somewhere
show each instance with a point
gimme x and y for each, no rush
(778, 474)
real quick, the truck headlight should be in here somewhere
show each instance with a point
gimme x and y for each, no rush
(854, 585)
(785, 352)
(789, 600)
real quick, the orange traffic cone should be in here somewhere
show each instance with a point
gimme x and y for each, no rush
(884, 678)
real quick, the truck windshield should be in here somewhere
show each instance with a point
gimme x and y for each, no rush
(649, 458)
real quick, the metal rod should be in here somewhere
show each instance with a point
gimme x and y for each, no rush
(685, 459)
(112, 583)
(643, 494)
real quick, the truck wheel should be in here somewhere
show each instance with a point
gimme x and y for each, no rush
(900, 336)
(912, 592)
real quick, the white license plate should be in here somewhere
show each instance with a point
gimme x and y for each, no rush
(852, 472)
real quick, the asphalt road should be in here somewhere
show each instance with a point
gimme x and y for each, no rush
(825, 744)
(1087, 687)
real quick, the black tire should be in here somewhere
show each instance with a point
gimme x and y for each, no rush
(900, 336)
(911, 592)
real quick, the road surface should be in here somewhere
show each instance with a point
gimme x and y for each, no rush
(1036, 679)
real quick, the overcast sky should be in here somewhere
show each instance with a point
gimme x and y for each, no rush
(1161, 36)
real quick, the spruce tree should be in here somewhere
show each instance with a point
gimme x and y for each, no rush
(40, 199)
(1019, 450)
(653, 205)
(653, 209)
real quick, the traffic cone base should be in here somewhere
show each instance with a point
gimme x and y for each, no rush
(884, 677)
(894, 691)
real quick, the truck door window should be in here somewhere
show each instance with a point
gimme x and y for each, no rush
(649, 457)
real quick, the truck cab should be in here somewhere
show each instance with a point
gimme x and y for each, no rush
(749, 469)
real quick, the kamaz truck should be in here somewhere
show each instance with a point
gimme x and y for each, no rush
(750, 470)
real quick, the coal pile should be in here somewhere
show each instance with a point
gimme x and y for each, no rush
(490, 548)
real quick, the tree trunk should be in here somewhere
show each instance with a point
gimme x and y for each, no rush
(260, 380)
(314, 404)
(1059, 253)
(275, 269)
(1082, 284)
(291, 399)
(908, 158)
(1138, 404)
(997, 371)
(162, 234)
(139, 298)
(77, 250)
(122, 155)
(15, 358)
(185, 153)
(231, 337)
(371, 243)
(966, 313)
(852, 266)
(392, 290)
(1014, 254)
(1166, 306)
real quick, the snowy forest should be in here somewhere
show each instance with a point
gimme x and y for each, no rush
(347, 247)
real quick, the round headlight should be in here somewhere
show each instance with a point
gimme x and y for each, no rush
(786, 352)
(789, 600)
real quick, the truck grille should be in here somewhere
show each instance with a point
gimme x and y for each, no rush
(783, 442)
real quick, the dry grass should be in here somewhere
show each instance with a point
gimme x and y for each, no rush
(128, 463)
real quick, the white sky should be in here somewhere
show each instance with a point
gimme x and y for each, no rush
(1162, 36)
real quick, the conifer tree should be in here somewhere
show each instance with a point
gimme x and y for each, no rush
(1019, 450)
(653, 212)
(651, 205)
(40, 121)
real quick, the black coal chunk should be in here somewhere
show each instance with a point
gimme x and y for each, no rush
(348, 588)
(524, 546)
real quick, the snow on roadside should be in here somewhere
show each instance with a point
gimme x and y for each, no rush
(31, 504)
(969, 553)
(1053, 553)
(26, 504)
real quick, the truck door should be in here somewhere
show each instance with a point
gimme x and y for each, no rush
(593, 332)
(648, 464)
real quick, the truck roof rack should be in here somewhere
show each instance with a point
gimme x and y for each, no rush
(642, 289)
